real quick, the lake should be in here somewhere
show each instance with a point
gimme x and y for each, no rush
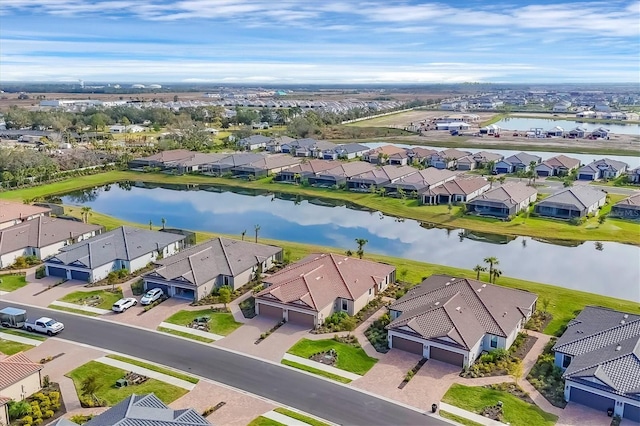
(605, 268)
(523, 124)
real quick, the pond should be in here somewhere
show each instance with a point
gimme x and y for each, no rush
(523, 124)
(586, 266)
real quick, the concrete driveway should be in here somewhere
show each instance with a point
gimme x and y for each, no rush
(576, 414)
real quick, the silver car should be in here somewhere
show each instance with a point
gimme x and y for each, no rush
(151, 296)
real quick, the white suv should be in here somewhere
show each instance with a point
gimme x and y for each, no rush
(151, 296)
(124, 304)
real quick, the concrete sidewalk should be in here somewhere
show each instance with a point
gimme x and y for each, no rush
(469, 415)
(285, 420)
(320, 366)
(188, 330)
(20, 339)
(91, 309)
(149, 373)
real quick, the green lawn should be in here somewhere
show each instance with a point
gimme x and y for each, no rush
(73, 311)
(106, 377)
(516, 411)
(31, 336)
(315, 371)
(458, 419)
(155, 368)
(186, 335)
(263, 421)
(301, 417)
(221, 323)
(12, 282)
(350, 358)
(107, 298)
(9, 347)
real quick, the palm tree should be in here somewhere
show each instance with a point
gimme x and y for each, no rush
(491, 180)
(478, 269)
(492, 261)
(164, 222)
(502, 179)
(150, 224)
(532, 170)
(243, 234)
(86, 211)
(496, 274)
(256, 228)
(361, 242)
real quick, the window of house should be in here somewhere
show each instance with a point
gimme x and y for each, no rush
(345, 305)
(370, 291)
(494, 341)
(566, 360)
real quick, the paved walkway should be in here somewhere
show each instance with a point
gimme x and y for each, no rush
(320, 366)
(469, 415)
(85, 308)
(285, 420)
(20, 339)
(192, 331)
(234, 307)
(2, 293)
(149, 373)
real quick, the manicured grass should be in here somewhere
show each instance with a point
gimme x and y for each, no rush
(263, 421)
(107, 298)
(106, 377)
(458, 419)
(155, 368)
(516, 411)
(315, 371)
(73, 311)
(221, 323)
(31, 336)
(301, 417)
(9, 347)
(186, 335)
(350, 358)
(12, 282)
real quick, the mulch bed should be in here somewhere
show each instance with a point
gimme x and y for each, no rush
(329, 357)
(524, 349)
(412, 373)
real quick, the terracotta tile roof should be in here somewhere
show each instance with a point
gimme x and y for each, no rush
(10, 211)
(312, 166)
(511, 193)
(4, 400)
(385, 149)
(348, 169)
(318, 279)
(633, 200)
(562, 161)
(170, 155)
(15, 368)
(460, 186)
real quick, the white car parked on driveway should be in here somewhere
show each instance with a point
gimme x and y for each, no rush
(151, 296)
(124, 304)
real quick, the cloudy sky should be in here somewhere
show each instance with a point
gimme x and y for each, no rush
(320, 41)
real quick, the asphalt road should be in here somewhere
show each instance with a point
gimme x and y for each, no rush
(339, 404)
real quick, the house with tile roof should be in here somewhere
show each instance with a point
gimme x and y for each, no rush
(254, 142)
(266, 166)
(229, 162)
(340, 174)
(304, 170)
(629, 208)
(162, 157)
(419, 182)
(560, 165)
(194, 272)
(602, 169)
(312, 289)
(600, 355)
(197, 162)
(419, 155)
(19, 378)
(42, 237)
(504, 201)
(634, 176)
(346, 151)
(455, 320)
(515, 163)
(447, 159)
(458, 190)
(379, 177)
(125, 247)
(12, 213)
(576, 201)
(275, 144)
(381, 154)
(144, 410)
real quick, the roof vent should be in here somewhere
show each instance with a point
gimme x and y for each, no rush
(318, 278)
(622, 322)
(479, 290)
(484, 285)
(618, 348)
(446, 284)
(437, 303)
(504, 314)
(625, 316)
(458, 309)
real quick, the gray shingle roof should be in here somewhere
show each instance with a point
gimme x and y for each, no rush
(146, 410)
(484, 308)
(581, 197)
(350, 148)
(459, 186)
(124, 243)
(605, 163)
(220, 256)
(348, 169)
(523, 158)
(254, 140)
(512, 193)
(633, 200)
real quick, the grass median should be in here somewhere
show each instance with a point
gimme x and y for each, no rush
(315, 371)
(301, 417)
(155, 368)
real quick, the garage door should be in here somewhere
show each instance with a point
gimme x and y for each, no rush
(631, 412)
(184, 293)
(270, 311)
(80, 275)
(444, 355)
(585, 177)
(406, 345)
(300, 318)
(543, 173)
(597, 402)
(57, 272)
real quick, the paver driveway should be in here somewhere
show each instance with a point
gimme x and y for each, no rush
(33, 293)
(150, 319)
(576, 414)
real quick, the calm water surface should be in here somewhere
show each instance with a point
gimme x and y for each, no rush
(605, 268)
(522, 124)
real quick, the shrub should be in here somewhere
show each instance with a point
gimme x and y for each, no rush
(26, 420)
(80, 419)
(46, 381)
(41, 272)
(137, 288)
(18, 409)
(123, 273)
(48, 414)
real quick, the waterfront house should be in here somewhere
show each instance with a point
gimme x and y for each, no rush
(504, 201)
(483, 158)
(347, 151)
(560, 165)
(577, 133)
(415, 184)
(556, 132)
(602, 169)
(418, 155)
(311, 147)
(447, 159)
(455, 320)
(600, 133)
(379, 177)
(629, 208)
(228, 163)
(456, 190)
(304, 170)
(159, 159)
(265, 166)
(576, 201)
(515, 163)
(634, 175)
(490, 130)
(381, 154)
(196, 163)
(340, 174)
(12, 213)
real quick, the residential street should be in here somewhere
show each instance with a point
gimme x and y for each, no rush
(339, 404)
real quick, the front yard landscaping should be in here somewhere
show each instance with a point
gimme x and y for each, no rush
(32, 336)
(12, 282)
(221, 323)
(546, 377)
(104, 388)
(155, 368)
(348, 356)
(377, 334)
(9, 347)
(103, 299)
(41, 407)
(500, 362)
(515, 411)
(340, 321)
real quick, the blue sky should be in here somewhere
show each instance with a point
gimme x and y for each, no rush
(320, 41)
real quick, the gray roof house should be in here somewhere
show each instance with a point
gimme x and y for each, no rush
(41, 237)
(275, 144)
(456, 190)
(340, 174)
(266, 165)
(634, 175)
(560, 165)
(197, 162)
(421, 181)
(629, 208)
(304, 170)
(455, 319)
(447, 159)
(159, 159)
(600, 355)
(602, 169)
(504, 201)
(576, 201)
(254, 142)
(516, 162)
(145, 410)
(194, 272)
(125, 247)
(379, 177)
(346, 151)
(229, 162)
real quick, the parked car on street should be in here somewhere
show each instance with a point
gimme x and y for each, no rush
(124, 304)
(44, 325)
(151, 296)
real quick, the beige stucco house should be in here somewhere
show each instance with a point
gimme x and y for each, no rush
(19, 378)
